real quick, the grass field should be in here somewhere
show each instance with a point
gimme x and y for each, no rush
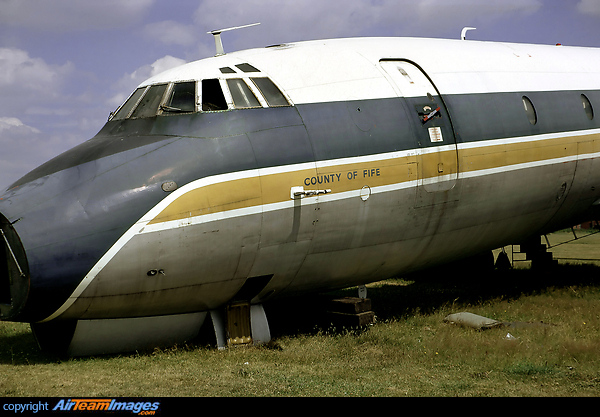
(409, 351)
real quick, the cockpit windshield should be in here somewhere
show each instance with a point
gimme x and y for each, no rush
(212, 96)
(126, 108)
(243, 98)
(235, 89)
(148, 106)
(182, 98)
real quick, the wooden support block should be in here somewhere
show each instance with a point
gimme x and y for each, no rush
(352, 320)
(350, 305)
(351, 312)
(238, 324)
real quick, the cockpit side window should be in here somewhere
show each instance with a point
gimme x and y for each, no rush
(148, 106)
(243, 98)
(247, 68)
(126, 108)
(227, 70)
(212, 96)
(181, 99)
(270, 91)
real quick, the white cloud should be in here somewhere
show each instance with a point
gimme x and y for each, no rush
(16, 126)
(129, 82)
(589, 7)
(69, 15)
(316, 19)
(21, 72)
(33, 92)
(33, 89)
(163, 64)
(25, 147)
(16, 138)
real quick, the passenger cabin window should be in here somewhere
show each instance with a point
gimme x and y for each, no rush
(243, 98)
(212, 96)
(587, 107)
(530, 110)
(126, 108)
(148, 106)
(270, 91)
(181, 99)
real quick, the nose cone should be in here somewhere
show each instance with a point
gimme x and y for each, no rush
(14, 272)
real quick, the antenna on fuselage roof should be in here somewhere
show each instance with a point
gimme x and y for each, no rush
(463, 34)
(217, 35)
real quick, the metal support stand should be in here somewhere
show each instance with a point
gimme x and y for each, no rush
(219, 326)
(259, 324)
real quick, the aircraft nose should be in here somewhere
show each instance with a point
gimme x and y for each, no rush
(14, 272)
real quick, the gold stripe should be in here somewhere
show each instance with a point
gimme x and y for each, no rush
(372, 173)
(497, 156)
(437, 164)
(224, 196)
(275, 188)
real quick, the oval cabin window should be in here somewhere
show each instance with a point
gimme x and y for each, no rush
(530, 110)
(587, 107)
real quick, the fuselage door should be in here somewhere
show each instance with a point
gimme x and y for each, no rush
(437, 156)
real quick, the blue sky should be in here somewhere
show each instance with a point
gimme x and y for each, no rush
(65, 64)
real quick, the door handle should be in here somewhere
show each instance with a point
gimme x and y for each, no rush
(300, 192)
(431, 115)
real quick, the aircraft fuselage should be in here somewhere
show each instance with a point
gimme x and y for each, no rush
(301, 168)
